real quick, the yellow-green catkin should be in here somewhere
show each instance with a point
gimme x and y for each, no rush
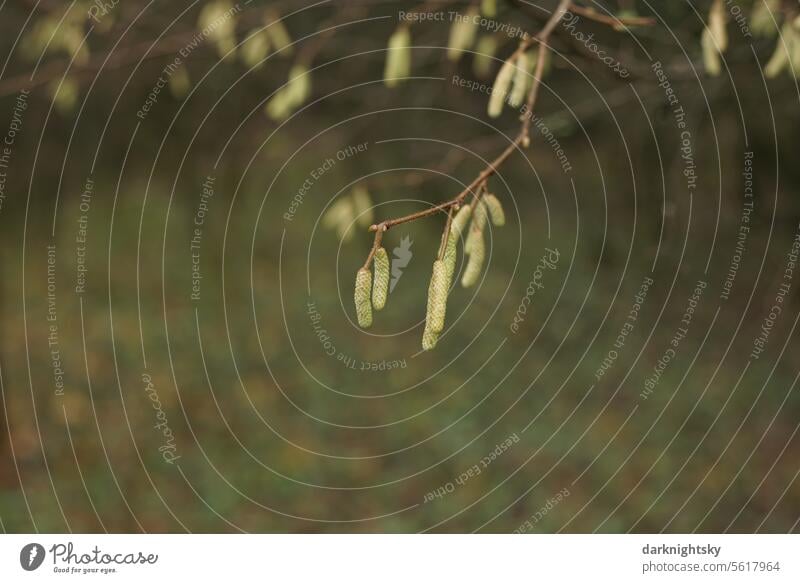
(293, 95)
(299, 87)
(278, 35)
(502, 83)
(218, 21)
(479, 217)
(483, 59)
(380, 287)
(795, 42)
(398, 57)
(711, 59)
(533, 62)
(429, 339)
(717, 25)
(477, 255)
(179, 83)
(476, 228)
(520, 85)
(363, 297)
(65, 94)
(475, 246)
(462, 34)
(451, 255)
(762, 21)
(714, 41)
(781, 57)
(495, 209)
(255, 50)
(460, 220)
(437, 298)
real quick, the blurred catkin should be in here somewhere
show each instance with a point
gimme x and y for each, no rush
(500, 89)
(520, 86)
(398, 57)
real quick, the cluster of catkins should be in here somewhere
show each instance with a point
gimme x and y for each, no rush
(372, 290)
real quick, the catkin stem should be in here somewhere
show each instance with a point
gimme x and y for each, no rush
(375, 246)
(445, 234)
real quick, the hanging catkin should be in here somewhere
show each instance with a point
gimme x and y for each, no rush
(450, 255)
(437, 297)
(762, 21)
(711, 59)
(462, 34)
(484, 55)
(299, 87)
(717, 25)
(495, 209)
(460, 220)
(520, 86)
(476, 227)
(398, 57)
(278, 35)
(362, 297)
(429, 338)
(477, 254)
(380, 288)
(500, 89)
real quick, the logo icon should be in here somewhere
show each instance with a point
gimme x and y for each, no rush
(31, 556)
(402, 255)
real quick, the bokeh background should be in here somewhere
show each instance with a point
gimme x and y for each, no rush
(179, 347)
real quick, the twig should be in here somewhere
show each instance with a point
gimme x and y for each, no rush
(522, 138)
(375, 245)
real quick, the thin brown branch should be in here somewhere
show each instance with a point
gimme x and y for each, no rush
(375, 246)
(522, 138)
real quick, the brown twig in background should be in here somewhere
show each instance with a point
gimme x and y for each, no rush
(593, 14)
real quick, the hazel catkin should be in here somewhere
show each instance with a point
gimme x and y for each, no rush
(398, 57)
(495, 209)
(520, 85)
(380, 287)
(437, 297)
(429, 339)
(477, 255)
(500, 89)
(363, 299)
(460, 220)
(451, 255)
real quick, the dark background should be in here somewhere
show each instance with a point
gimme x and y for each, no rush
(275, 434)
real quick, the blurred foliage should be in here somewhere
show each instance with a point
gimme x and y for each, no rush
(275, 432)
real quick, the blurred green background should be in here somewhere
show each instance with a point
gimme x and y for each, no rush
(259, 405)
